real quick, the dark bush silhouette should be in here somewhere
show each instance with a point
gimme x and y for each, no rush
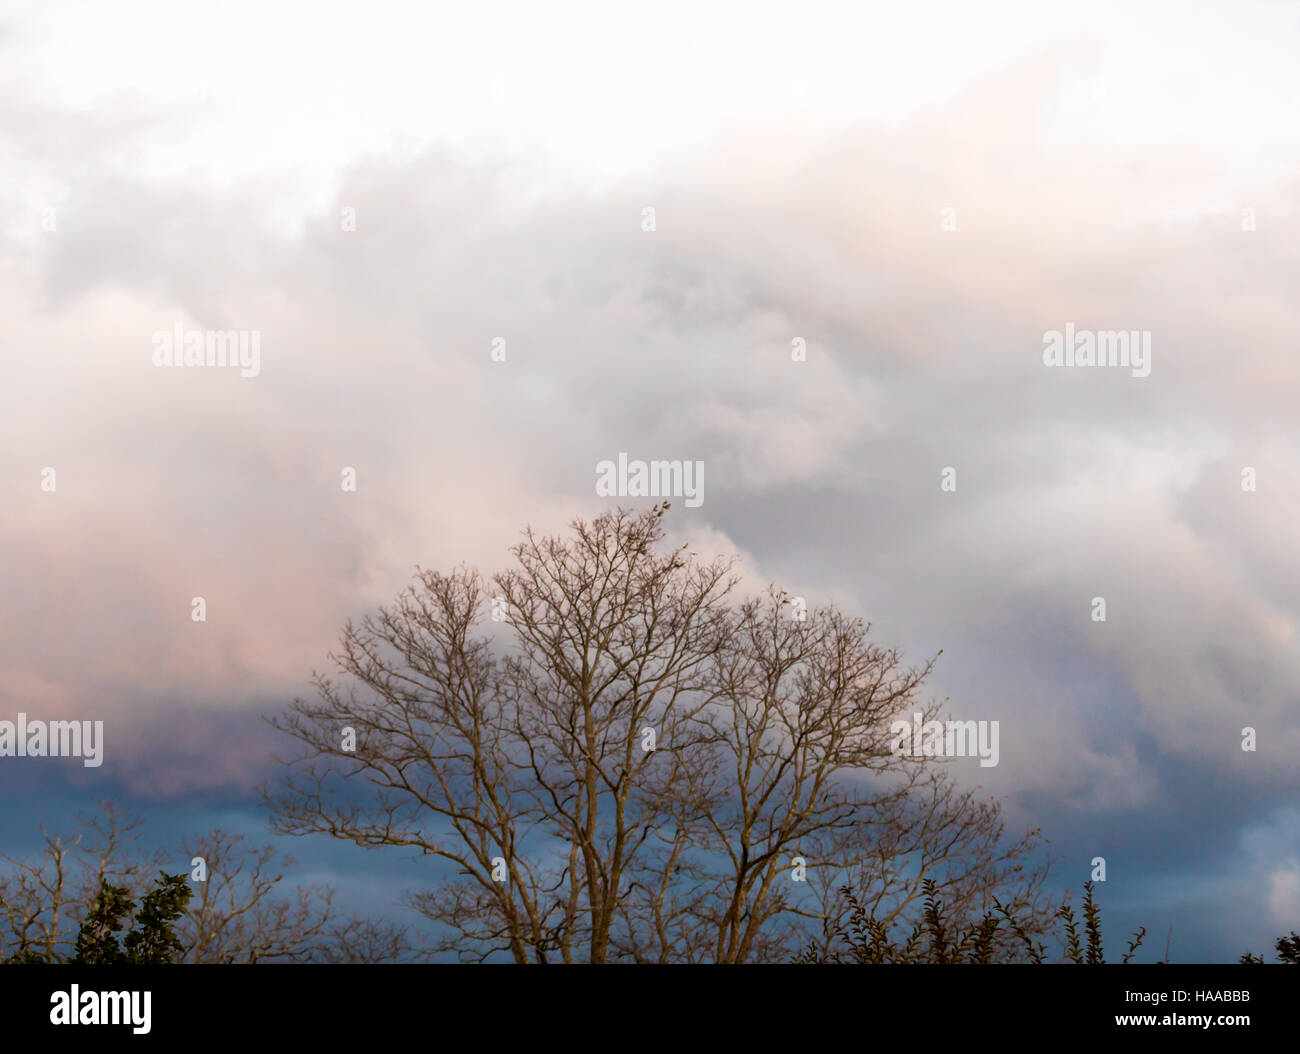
(860, 938)
(1288, 951)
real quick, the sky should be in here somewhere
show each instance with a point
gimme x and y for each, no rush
(917, 193)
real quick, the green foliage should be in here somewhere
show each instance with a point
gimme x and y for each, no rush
(151, 940)
(97, 939)
(154, 940)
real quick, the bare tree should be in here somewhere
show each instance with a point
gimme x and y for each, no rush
(799, 766)
(628, 769)
(241, 914)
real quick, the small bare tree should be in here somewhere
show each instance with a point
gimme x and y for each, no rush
(239, 914)
(629, 768)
